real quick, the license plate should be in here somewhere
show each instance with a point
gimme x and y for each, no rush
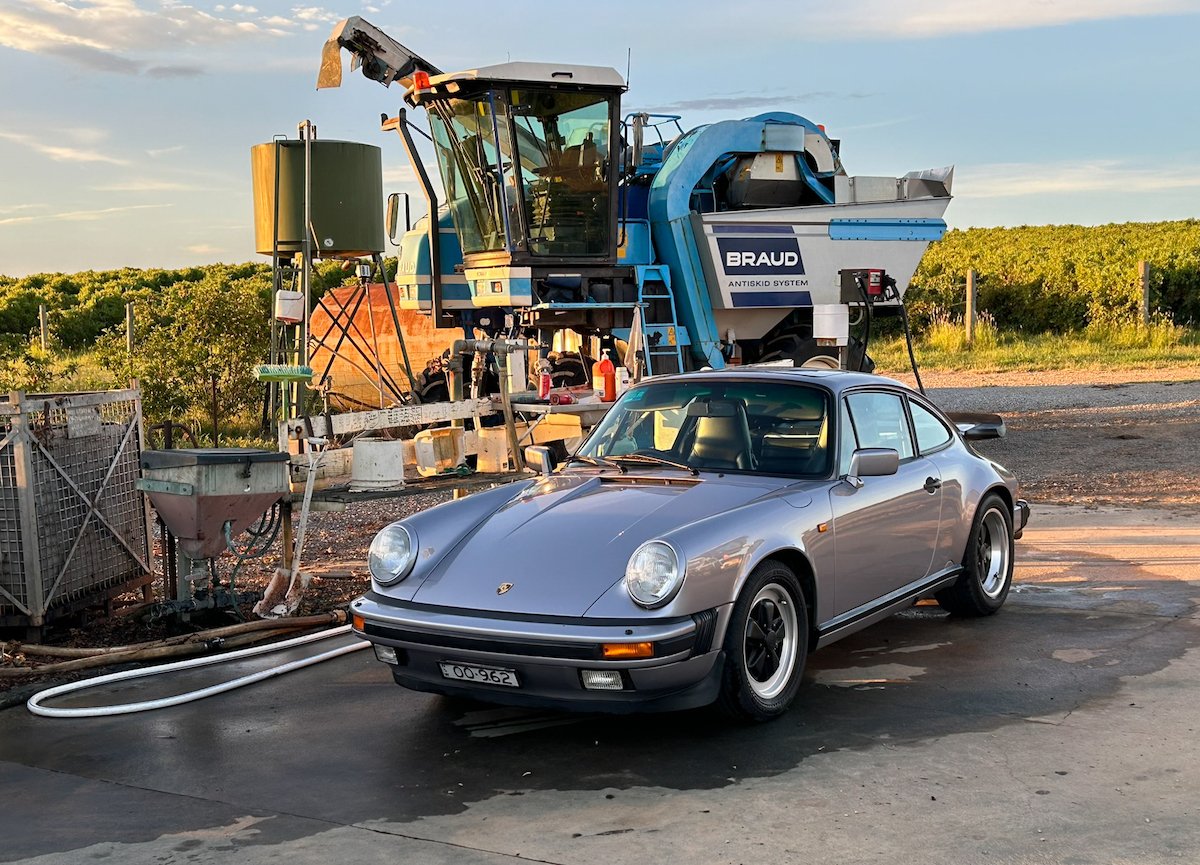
(481, 675)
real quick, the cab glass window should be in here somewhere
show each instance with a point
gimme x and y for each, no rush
(562, 140)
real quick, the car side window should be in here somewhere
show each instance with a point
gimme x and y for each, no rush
(880, 422)
(931, 432)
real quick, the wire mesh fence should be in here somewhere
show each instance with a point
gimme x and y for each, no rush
(73, 526)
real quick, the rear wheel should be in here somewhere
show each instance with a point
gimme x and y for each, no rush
(987, 563)
(766, 645)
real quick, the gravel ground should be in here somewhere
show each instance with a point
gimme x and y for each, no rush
(1087, 438)
(1123, 444)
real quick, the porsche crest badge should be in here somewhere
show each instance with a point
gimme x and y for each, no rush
(503, 587)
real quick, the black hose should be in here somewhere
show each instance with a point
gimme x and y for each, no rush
(862, 291)
(912, 358)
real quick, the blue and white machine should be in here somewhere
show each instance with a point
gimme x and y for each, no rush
(744, 239)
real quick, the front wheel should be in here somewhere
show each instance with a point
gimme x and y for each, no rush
(987, 564)
(766, 645)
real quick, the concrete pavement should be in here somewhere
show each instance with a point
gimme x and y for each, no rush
(1062, 730)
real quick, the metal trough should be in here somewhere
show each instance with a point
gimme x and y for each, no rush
(197, 490)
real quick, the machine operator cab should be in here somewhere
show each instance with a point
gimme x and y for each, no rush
(529, 160)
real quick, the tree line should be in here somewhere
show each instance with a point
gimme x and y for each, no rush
(197, 324)
(1062, 278)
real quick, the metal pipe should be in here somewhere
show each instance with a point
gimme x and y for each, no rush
(435, 256)
(502, 348)
(387, 292)
(510, 424)
(307, 131)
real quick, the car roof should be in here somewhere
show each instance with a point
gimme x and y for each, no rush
(836, 380)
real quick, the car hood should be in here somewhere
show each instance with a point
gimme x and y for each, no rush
(565, 540)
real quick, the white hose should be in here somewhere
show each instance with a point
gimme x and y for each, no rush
(34, 704)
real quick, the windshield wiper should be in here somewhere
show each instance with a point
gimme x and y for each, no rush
(598, 461)
(650, 458)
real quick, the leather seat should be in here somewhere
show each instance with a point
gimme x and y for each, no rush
(722, 435)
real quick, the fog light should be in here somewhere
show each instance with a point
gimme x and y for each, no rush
(602, 680)
(386, 654)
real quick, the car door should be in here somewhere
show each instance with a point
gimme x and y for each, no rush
(934, 438)
(886, 530)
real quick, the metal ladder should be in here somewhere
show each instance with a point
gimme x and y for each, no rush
(663, 341)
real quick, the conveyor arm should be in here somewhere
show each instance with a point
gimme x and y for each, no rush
(381, 57)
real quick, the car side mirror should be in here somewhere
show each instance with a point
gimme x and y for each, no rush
(540, 459)
(392, 216)
(872, 463)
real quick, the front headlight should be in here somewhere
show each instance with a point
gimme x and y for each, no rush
(653, 574)
(393, 553)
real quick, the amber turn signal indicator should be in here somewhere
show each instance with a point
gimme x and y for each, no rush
(624, 651)
(359, 624)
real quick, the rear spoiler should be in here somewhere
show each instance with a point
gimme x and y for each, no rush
(978, 425)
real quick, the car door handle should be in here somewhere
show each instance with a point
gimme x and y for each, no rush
(932, 485)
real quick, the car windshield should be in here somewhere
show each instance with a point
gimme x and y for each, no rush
(759, 427)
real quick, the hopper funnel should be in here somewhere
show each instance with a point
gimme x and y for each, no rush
(197, 490)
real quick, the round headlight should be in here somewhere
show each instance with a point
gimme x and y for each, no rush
(392, 555)
(653, 574)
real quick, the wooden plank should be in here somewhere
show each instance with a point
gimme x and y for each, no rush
(388, 418)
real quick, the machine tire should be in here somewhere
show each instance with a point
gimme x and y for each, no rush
(570, 371)
(764, 666)
(987, 565)
(797, 344)
(433, 388)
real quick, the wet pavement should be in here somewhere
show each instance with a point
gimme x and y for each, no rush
(1063, 729)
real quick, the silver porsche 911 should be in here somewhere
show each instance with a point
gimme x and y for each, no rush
(713, 529)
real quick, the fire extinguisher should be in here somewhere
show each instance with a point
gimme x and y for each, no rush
(544, 382)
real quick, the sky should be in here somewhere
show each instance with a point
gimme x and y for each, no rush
(126, 125)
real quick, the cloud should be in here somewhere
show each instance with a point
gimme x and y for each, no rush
(1020, 180)
(59, 152)
(204, 249)
(149, 186)
(786, 21)
(928, 18)
(120, 36)
(156, 152)
(78, 215)
(174, 71)
(403, 174)
(17, 208)
(746, 102)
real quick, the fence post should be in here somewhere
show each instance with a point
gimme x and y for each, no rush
(1144, 282)
(44, 326)
(969, 314)
(129, 341)
(27, 502)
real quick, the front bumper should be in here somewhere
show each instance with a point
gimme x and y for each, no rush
(547, 654)
(1020, 517)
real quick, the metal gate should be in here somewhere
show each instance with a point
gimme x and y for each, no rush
(73, 526)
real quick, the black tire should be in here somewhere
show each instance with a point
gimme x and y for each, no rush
(435, 389)
(987, 563)
(571, 371)
(798, 345)
(761, 676)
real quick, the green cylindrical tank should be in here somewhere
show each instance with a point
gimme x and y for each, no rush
(347, 197)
